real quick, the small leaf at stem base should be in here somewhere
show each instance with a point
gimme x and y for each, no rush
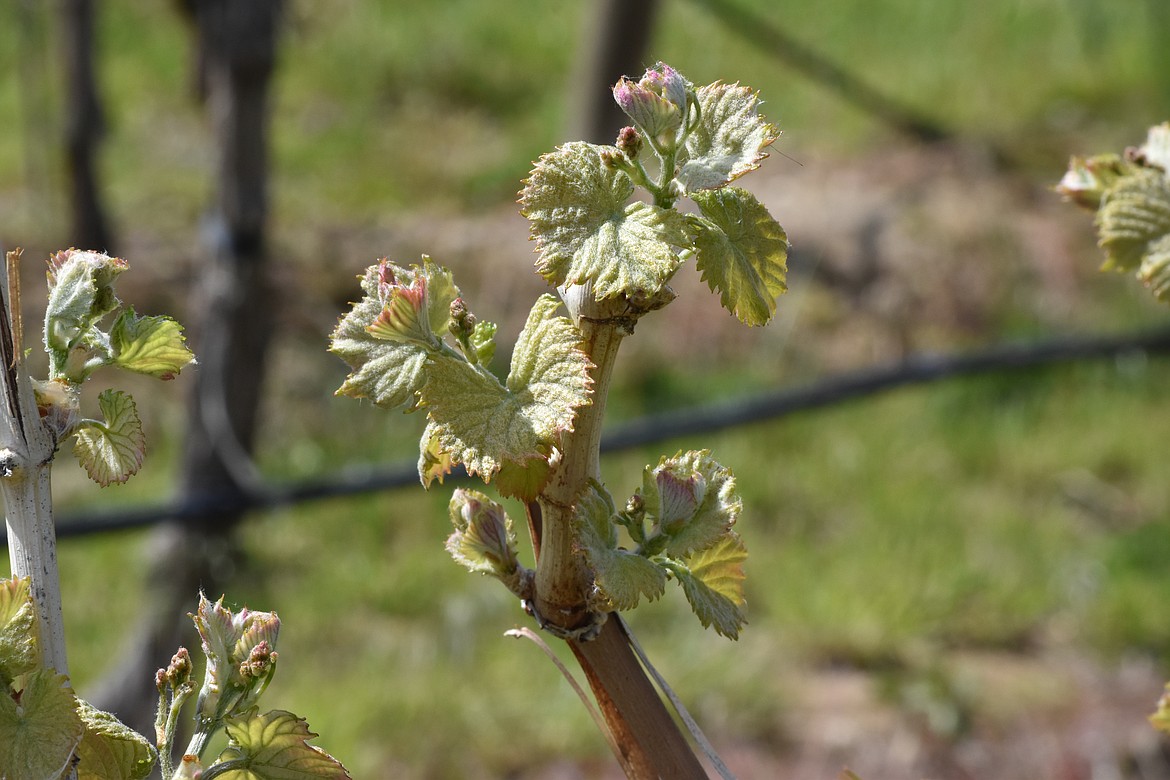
(276, 745)
(39, 726)
(712, 580)
(18, 630)
(113, 450)
(110, 750)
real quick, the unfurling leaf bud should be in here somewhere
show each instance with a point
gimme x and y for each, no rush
(483, 341)
(1087, 180)
(483, 540)
(657, 103)
(236, 673)
(690, 500)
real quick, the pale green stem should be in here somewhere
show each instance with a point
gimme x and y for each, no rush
(562, 579)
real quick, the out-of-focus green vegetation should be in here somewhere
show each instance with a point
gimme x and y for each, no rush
(385, 104)
(1000, 512)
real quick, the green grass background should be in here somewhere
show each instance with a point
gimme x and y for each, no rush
(1006, 512)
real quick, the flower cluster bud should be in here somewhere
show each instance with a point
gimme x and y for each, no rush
(177, 673)
(462, 320)
(483, 535)
(259, 661)
(240, 657)
(629, 142)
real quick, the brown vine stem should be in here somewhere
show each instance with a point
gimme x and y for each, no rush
(651, 743)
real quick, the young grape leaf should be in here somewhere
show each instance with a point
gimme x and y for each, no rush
(1134, 215)
(742, 253)
(441, 291)
(729, 140)
(149, 345)
(39, 727)
(692, 499)
(1156, 150)
(712, 580)
(388, 372)
(585, 231)
(433, 461)
(1087, 180)
(1160, 718)
(1154, 271)
(275, 746)
(523, 481)
(111, 750)
(18, 630)
(80, 293)
(483, 424)
(483, 341)
(112, 451)
(620, 576)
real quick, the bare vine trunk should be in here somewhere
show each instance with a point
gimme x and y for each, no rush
(237, 53)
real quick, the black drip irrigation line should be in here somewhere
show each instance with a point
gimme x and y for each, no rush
(916, 370)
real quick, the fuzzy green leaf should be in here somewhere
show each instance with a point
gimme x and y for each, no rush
(1160, 719)
(484, 424)
(80, 293)
(523, 481)
(1156, 150)
(692, 500)
(433, 461)
(1155, 268)
(149, 345)
(730, 139)
(483, 341)
(1133, 216)
(620, 577)
(586, 231)
(742, 253)
(712, 580)
(38, 733)
(18, 630)
(388, 372)
(112, 450)
(111, 750)
(275, 746)
(441, 291)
